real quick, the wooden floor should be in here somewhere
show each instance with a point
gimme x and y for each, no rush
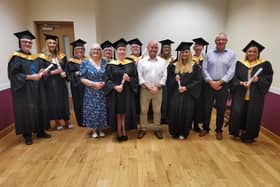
(71, 158)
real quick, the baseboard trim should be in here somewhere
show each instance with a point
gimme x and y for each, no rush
(7, 130)
(270, 134)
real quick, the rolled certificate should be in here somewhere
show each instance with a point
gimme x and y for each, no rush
(179, 82)
(122, 83)
(47, 69)
(255, 75)
(77, 73)
(57, 63)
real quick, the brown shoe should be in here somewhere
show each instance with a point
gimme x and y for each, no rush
(158, 134)
(219, 136)
(141, 134)
(203, 133)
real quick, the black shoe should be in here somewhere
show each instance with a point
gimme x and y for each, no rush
(196, 129)
(124, 138)
(141, 134)
(43, 135)
(119, 138)
(158, 134)
(28, 141)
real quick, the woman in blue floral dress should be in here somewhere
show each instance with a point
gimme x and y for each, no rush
(94, 106)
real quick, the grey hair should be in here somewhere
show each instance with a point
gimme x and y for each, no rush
(94, 46)
(221, 34)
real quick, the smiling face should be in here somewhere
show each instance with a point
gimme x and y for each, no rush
(26, 45)
(166, 50)
(252, 54)
(52, 45)
(79, 52)
(197, 49)
(121, 53)
(152, 49)
(108, 53)
(221, 41)
(135, 49)
(95, 52)
(184, 55)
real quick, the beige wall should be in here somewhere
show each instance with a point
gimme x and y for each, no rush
(258, 20)
(82, 13)
(12, 19)
(159, 19)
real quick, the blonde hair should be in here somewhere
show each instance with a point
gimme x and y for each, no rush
(46, 49)
(184, 68)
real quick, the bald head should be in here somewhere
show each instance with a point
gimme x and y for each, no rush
(152, 49)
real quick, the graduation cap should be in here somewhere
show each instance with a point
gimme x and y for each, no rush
(106, 44)
(166, 42)
(78, 43)
(24, 35)
(201, 41)
(120, 43)
(183, 46)
(135, 41)
(51, 37)
(253, 43)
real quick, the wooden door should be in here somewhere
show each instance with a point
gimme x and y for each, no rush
(64, 31)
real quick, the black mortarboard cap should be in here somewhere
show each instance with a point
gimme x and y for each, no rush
(24, 34)
(106, 44)
(253, 43)
(200, 41)
(166, 42)
(78, 43)
(184, 46)
(51, 37)
(120, 43)
(135, 41)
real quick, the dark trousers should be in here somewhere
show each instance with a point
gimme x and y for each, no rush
(77, 96)
(220, 98)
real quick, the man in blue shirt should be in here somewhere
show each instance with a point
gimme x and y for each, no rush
(218, 69)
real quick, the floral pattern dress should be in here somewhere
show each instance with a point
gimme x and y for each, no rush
(94, 104)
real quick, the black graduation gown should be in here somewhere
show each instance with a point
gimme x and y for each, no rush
(57, 92)
(164, 108)
(198, 109)
(113, 76)
(137, 97)
(77, 88)
(29, 97)
(181, 105)
(247, 115)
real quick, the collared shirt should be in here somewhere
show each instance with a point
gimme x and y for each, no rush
(152, 72)
(219, 65)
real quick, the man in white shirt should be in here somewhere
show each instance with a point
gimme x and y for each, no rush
(152, 75)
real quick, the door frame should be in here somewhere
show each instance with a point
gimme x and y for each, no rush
(47, 23)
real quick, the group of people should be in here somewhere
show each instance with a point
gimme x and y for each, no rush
(110, 89)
